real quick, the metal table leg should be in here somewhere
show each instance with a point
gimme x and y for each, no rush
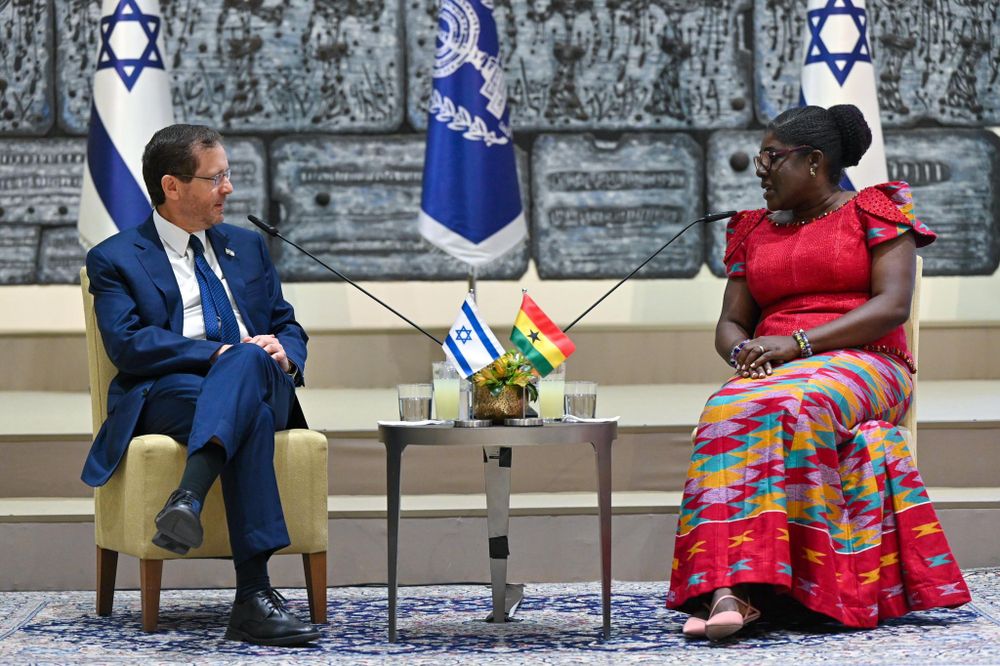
(603, 451)
(393, 464)
(497, 471)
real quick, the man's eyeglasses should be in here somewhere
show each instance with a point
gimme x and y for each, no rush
(767, 158)
(216, 179)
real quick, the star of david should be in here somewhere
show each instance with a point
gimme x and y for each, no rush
(840, 63)
(463, 335)
(534, 336)
(129, 69)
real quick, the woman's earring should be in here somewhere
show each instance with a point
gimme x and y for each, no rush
(812, 171)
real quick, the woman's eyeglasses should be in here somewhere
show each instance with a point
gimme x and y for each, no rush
(765, 160)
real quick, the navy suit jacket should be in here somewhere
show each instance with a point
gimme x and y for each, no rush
(139, 313)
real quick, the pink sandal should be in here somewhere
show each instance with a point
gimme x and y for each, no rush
(694, 627)
(725, 624)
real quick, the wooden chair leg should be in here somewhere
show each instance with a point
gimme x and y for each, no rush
(107, 569)
(315, 570)
(150, 575)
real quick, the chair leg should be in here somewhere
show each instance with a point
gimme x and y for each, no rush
(150, 575)
(315, 570)
(107, 569)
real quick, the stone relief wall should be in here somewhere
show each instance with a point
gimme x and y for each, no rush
(632, 117)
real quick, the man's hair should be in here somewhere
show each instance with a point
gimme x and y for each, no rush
(840, 132)
(173, 150)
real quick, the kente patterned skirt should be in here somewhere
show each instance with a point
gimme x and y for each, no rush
(802, 482)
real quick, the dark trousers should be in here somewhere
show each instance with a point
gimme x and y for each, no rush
(242, 401)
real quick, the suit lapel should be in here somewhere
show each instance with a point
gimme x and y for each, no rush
(231, 267)
(152, 256)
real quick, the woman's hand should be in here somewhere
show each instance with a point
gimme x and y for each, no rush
(759, 355)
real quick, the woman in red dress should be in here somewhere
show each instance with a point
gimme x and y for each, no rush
(800, 484)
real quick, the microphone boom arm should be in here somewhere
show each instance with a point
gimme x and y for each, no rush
(271, 230)
(711, 217)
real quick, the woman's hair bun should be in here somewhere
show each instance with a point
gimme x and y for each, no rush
(855, 135)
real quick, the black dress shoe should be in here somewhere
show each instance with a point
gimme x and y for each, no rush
(165, 542)
(180, 521)
(264, 619)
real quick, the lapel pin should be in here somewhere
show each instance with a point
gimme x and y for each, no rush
(230, 252)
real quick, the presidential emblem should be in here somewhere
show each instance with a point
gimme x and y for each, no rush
(458, 44)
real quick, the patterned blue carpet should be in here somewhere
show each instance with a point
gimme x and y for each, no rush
(558, 624)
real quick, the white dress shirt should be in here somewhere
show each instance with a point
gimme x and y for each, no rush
(175, 242)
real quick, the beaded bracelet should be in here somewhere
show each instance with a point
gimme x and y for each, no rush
(805, 349)
(736, 351)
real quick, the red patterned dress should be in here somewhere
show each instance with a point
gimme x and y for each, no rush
(802, 480)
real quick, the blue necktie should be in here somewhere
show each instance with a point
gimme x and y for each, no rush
(220, 322)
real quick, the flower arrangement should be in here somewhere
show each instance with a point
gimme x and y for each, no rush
(512, 369)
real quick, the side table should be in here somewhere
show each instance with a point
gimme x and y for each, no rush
(600, 435)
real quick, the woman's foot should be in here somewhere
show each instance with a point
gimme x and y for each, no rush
(729, 614)
(695, 625)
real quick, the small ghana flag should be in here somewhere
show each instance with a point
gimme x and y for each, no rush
(541, 341)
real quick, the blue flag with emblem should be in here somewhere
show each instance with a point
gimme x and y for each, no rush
(838, 69)
(131, 102)
(471, 345)
(471, 203)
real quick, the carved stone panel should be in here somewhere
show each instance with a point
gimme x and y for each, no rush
(248, 160)
(269, 65)
(26, 90)
(606, 64)
(40, 182)
(18, 250)
(730, 185)
(602, 207)
(953, 175)
(354, 203)
(938, 61)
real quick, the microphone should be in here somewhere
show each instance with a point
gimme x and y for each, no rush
(271, 230)
(710, 217)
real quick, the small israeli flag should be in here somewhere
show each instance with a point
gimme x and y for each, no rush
(471, 345)
(471, 202)
(837, 69)
(131, 102)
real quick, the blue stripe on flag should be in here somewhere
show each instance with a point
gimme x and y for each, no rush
(480, 333)
(123, 198)
(457, 355)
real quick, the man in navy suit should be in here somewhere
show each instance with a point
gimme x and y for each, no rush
(208, 352)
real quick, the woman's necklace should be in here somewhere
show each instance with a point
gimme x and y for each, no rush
(784, 218)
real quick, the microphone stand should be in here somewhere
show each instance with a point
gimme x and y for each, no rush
(711, 217)
(271, 230)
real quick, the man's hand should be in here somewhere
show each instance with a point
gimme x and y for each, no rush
(219, 352)
(270, 344)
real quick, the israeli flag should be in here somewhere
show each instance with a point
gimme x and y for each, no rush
(838, 69)
(131, 102)
(471, 203)
(471, 345)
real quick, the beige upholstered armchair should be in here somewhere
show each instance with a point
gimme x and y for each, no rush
(125, 507)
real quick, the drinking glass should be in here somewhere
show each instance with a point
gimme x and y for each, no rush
(414, 401)
(446, 379)
(550, 393)
(581, 399)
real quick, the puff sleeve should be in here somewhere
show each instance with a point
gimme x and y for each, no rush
(887, 213)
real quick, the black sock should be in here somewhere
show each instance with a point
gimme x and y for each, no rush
(202, 469)
(251, 576)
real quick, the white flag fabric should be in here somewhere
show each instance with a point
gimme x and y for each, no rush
(471, 201)
(131, 102)
(471, 345)
(837, 69)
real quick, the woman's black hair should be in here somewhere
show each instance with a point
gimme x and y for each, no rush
(840, 132)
